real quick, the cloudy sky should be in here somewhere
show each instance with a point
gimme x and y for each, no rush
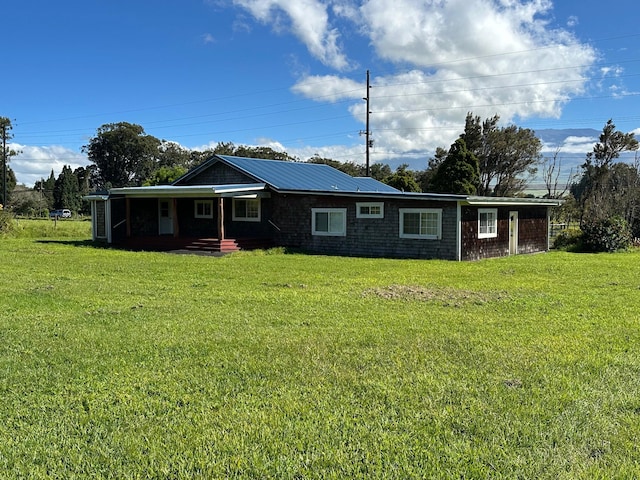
(291, 74)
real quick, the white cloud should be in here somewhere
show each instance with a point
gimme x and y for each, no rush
(207, 39)
(309, 21)
(329, 88)
(485, 56)
(578, 145)
(35, 163)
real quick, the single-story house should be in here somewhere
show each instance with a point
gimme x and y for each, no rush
(229, 203)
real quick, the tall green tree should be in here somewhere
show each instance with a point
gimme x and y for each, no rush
(124, 155)
(66, 191)
(507, 156)
(7, 176)
(598, 192)
(459, 173)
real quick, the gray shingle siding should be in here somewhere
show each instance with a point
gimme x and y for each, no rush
(371, 237)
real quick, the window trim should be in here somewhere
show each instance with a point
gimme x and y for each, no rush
(359, 205)
(437, 211)
(341, 233)
(494, 223)
(204, 203)
(237, 218)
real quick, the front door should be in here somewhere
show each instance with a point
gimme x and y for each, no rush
(513, 233)
(165, 215)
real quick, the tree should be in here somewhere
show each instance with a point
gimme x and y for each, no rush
(504, 155)
(551, 171)
(7, 176)
(228, 148)
(124, 155)
(425, 177)
(349, 168)
(459, 172)
(165, 175)
(595, 193)
(10, 185)
(403, 179)
(172, 154)
(66, 192)
(380, 171)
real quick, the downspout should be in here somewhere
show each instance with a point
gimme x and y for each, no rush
(107, 215)
(458, 231)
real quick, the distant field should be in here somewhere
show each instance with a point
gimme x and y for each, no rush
(116, 364)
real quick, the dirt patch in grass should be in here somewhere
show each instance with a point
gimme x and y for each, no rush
(445, 296)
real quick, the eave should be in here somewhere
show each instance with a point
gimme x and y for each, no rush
(511, 201)
(189, 191)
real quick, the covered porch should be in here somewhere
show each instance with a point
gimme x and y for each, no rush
(209, 218)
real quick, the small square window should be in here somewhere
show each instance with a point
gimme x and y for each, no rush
(203, 209)
(370, 210)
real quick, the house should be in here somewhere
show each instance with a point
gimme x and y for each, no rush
(230, 203)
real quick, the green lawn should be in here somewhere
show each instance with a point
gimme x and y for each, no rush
(117, 364)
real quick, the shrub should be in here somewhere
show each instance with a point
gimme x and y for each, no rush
(569, 239)
(6, 222)
(608, 235)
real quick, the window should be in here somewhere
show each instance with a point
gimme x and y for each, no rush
(487, 222)
(203, 209)
(246, 209)
(329, 221)
(370, 210)
(423, 223)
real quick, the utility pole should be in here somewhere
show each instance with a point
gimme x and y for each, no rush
(4, 165)
(367, 132)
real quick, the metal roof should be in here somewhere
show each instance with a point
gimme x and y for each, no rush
(308, 177)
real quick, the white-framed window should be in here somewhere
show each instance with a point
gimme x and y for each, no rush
(487, 222)
(369, 209)
(203, 209)
(425, 223)
(329, 221)
(246, 209)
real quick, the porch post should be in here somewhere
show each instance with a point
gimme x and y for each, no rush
(176, 224)
(127, 202)
(220, 218)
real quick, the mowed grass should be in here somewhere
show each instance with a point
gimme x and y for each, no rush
(119, 364)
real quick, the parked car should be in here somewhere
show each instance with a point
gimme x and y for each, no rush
(60, 213)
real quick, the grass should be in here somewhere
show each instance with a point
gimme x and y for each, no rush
(116, 364)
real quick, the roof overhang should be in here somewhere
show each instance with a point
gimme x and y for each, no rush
(190, 191)
(96, 197)
(511, 201)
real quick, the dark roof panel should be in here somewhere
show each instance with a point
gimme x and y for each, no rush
(298, 176)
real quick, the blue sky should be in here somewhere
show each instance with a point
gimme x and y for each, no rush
(290, 74)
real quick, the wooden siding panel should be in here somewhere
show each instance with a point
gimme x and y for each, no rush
(532, 233)
(533, 230)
